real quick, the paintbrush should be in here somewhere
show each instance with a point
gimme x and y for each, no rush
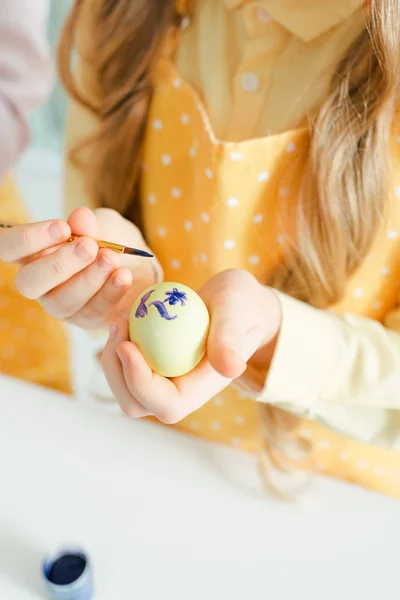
(101, 243)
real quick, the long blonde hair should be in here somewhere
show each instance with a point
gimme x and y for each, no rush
(346, 184)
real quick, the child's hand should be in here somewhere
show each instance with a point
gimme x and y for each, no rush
(77, 281)
(245, 317)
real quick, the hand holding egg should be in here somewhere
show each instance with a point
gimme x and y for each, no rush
(179, 348)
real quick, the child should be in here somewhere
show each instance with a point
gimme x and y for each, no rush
(33, 345)
(254, 146)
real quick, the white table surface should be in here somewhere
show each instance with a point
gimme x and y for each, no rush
(163, 515)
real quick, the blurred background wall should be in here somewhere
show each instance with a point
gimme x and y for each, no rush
(40, 172)
(48, 122)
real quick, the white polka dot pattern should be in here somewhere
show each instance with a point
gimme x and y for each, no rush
(175, 264)
(185, 119)
(263, 176)
(215, 425)
(166, 159)
(218, 401)
(176, 193)
(254, 259)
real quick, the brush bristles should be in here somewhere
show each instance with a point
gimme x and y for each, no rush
(136, 252)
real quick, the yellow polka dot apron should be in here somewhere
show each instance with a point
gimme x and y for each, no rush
(210, 205)
(33, 345)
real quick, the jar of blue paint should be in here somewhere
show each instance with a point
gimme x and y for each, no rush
(67, 575)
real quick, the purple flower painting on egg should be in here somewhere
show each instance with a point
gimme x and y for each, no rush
(172, 298)
(142, 308)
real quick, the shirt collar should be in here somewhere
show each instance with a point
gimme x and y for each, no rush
(306, 19)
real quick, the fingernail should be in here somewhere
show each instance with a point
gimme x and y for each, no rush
(56, 232)
(112, 331)
(122, 357)
(105, 265)
(82, 252)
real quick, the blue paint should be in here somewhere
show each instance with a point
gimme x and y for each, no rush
(162, 310)
(141, 310)
(67, 569)
(176, 296)
(172, 298)
(67, 575)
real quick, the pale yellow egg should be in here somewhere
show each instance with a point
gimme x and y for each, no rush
(169, 323)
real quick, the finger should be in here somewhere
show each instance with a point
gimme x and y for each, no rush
(169, 400)
(83, 222)
(114, 374)
(157, 394)
(28, 259)
(104, 304)
(68, 298)
(229, 346)
(21, 241)
(235, 331)
(37, 278)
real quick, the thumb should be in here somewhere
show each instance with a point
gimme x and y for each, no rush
(235, 332)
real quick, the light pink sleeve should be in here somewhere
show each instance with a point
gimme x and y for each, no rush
(26, 73)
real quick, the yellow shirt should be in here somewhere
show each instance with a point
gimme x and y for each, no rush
(225, 122)
(261, 66)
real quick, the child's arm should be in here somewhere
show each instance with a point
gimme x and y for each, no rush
(343, 371)
(25, 73)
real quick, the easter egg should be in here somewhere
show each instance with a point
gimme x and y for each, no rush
(169, 323)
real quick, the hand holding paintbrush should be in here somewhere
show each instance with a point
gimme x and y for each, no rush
(102, 244)
(72, 272)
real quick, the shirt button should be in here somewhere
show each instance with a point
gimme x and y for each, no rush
(262, 15)
(250, 82)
